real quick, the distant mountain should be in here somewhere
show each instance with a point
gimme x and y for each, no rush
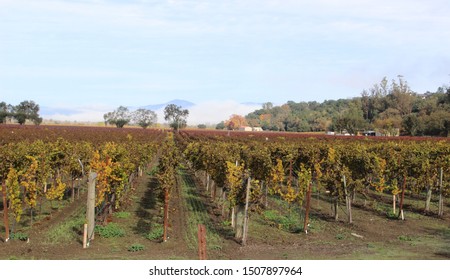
(179, 102)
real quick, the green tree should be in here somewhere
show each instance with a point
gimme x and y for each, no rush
(27, 110)
(119, 117)
(438, 123)
(144, 118)
(176, 116)
(351, 120)
(413, 125)
(4, 112)
(221, 125)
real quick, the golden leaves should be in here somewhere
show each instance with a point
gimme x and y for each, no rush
(13, 193)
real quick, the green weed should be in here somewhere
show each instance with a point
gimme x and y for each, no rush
(340, 236)
(19, 236)
(136, 247)
(156, 233)
(122, 215)
(110, 230)
(290, 223)
(405, 238)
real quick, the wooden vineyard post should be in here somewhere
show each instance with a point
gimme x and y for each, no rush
(348, 202)
(213, 190)
(85, 231)
(166, 213)
(72, 194)
(224, 199)
(335, 206)
(428, 200)
(308, 206)
(5, 212)
(441, 197)
(245, 229)
(233, 217)
(393, 203)
(401, 215)
(91, 207)
(201, 242)
(266, 194)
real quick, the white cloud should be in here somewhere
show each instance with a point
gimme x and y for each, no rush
(87, 113)
(213, 112)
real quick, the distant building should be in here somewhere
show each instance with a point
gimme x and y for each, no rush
(369, 133)
(245, 128)
(249, 128)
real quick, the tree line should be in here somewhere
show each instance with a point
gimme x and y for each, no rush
(389, 107)
(25, 110)
(174, 114)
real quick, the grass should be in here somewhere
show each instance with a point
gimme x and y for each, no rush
(122, 215)
(66, 231)
(289, 222)
(197, 214)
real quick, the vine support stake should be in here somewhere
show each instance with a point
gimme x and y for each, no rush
(166, 213)
(85, 233)
(441, 197)
(348, 201)
(401, 215)
(247, 198)
(201, 242)
(308, 206)
(5, 212)
(90, 215)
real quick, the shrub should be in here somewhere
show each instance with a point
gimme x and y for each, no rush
(19, 236)
(340, 236)
(289, 223)
(136, 247)
(110, 230)
(405, 238)
(156, 233)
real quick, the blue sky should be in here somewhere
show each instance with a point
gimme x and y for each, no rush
(92, 56)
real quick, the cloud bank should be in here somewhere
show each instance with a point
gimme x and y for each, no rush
(210, 112)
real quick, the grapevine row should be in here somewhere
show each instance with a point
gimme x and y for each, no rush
(50, 169)
(341, 167)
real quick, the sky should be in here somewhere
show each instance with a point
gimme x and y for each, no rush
(87, 57)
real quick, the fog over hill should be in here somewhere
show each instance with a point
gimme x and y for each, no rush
(208, 112)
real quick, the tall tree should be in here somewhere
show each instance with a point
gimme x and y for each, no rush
(401, 97)
(235, 122)
(4, 112)
(176, 116)
(27, 110)
(144, 118)
(119, 117)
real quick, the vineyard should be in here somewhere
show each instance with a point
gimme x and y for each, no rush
(260, 195)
